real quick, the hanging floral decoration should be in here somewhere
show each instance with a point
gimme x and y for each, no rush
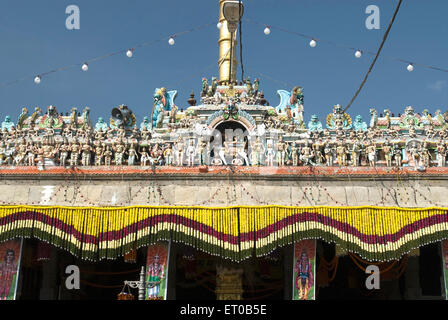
(235, 233)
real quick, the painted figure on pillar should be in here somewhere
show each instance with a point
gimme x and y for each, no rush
(9, 255)
(304, 269)
(156, 271)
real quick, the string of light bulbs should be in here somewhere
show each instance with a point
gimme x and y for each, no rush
(129, 52)
(358, 52)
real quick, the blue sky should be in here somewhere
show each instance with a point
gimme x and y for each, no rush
(34, 39)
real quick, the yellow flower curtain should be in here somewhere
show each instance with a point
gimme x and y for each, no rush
(95, 233)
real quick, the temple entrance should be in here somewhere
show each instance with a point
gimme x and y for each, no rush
(342, 275)
(232, 137)
(205, 277)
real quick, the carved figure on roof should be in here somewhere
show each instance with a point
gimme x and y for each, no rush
(86, 117)
(37, 112)
(204, 87)
(7, 124)
(425, 155)
(74, 116)
(163, 102)
(441, 154)
(293, 98)
(356, 153)
(256, 87)
(257, 152)
(307, 154)
(314, 124)
(22, 117)
(270, 153)
(338, 119)
(373, 118)
(329, 154)
(101, 125)
(388, 153)
(212, 89)
(409, 119)
(387, 118)
(359, 125)
(230, 110)
(293, 153)
(51, 119)
(122, 116)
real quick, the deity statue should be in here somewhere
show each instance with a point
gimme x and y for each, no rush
(230, 110)
(204, 87)
(425, 155)
(415, 154)
(315, 124)
(31, 152)
(107, 156)
(86, 153)
(7, 124)
(356, 153)
(20, 152)
(119, 150)
(294, 100)
(281, 152)
(388, 153)
(179, 151)
(191, 153)
(371, 153)
(338, 119)
(270, 154)
(441, 154)
(156, 155)
(359, 125)
(318, 154)
(329, 154)
(257, 152)
(163, 103)
(101, 125)
(304, 276)
(397, 155)
(144, 159)
(294, 154)
(132, 154)
(99, 152)
(168, 154)
(307, 154)
(22, 117)
(341, 154)
(75, 149)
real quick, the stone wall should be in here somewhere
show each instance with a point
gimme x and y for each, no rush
(225, 189)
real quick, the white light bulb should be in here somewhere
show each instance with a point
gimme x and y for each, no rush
(267, 31)
(219, 25)
(129, 53)
(358, 54)
(171, 41)
(410, 67)
(313, 43)
(85, 67)
(37, 80)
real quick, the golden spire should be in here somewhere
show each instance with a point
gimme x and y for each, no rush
(224, 51)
